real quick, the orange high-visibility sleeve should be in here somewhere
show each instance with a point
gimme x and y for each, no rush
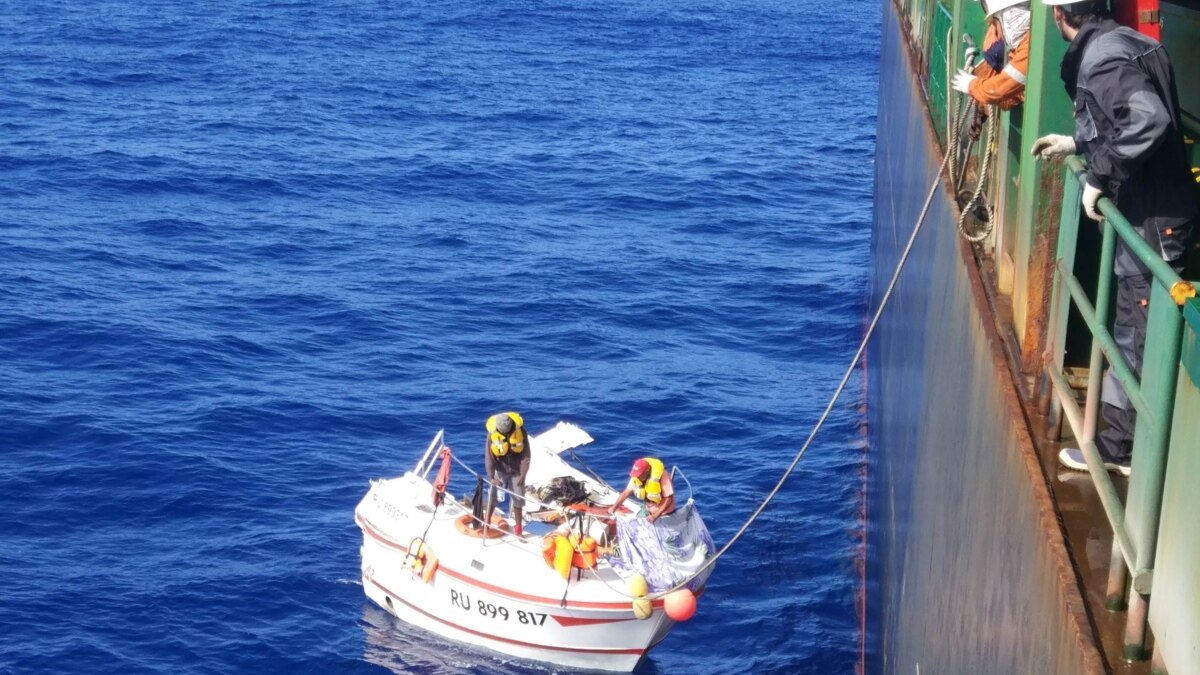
(1006, 88)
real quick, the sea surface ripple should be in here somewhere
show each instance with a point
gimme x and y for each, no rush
(257, 253)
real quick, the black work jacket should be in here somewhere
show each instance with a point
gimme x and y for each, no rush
(1127, 125)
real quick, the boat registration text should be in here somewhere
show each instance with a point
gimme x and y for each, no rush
(500, 612)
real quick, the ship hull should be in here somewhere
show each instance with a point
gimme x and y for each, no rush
(967, 567)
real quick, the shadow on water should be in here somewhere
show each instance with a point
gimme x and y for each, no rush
(394, 645)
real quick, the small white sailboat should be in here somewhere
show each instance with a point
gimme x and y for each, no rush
(591, 603)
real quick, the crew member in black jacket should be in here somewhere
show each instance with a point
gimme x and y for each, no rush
(1127, 125)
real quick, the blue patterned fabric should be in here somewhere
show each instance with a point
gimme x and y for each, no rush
(665, 552)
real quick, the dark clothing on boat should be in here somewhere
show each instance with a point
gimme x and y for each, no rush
(514, 484)
(507, 472)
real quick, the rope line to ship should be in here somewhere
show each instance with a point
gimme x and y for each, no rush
(970, 139)
(964, 137)
(854, 361)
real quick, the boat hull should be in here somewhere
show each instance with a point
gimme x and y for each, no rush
(605, 637)
(498, 593)
(541, 636)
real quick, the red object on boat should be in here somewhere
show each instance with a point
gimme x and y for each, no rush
(443, 477)
(680, 605)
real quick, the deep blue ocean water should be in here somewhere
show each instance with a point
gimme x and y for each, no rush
(255, 254)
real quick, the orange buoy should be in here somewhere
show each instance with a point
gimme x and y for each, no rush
(680, 605)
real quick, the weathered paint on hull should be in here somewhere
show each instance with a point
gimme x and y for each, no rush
(967, 567)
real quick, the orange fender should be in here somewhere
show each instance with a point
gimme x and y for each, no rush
(563, 551)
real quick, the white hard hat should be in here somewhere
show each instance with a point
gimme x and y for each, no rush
(1053, 3)
(995, 6)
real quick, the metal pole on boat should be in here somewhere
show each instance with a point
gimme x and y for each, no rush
(421, 468)
(676, 470)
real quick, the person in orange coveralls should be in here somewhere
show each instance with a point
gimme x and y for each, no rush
(994, 82)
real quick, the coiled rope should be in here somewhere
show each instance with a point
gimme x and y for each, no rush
(958, 172)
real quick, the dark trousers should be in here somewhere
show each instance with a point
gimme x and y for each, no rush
(514, 484)
(1129, 332)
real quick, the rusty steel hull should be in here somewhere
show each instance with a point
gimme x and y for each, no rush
(967, 566)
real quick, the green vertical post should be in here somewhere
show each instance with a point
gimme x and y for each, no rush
(1060, 299)
(1159, 377)
(1047, 110)
(1114, 592)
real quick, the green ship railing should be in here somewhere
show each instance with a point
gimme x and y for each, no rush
(1135, 523)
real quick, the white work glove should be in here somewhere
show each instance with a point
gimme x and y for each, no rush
(962, 80)
(1053, 146)
(1091, 201)
(970, 55)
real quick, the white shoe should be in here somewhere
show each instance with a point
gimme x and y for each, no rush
(1072, 458)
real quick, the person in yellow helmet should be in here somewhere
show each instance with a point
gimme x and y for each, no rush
(506, 459)
(650, 482)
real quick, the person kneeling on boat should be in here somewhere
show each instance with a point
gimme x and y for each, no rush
(650, 482)
(506, 459)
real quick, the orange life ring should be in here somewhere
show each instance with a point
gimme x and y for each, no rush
(557, 551)
(499, 527)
